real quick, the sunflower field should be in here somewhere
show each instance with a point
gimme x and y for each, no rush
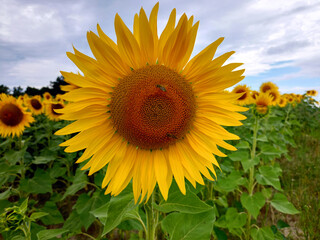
(149, 144)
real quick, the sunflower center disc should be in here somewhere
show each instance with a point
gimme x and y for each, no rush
(153, 107)
(36, 104)
(56, 106)
(11, 115)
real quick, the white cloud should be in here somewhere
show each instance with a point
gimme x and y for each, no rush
(262, 33)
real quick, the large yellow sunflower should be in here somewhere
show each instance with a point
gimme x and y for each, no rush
(35, 105)
(13, 117)
(147, 111)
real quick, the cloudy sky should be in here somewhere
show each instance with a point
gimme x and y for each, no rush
(277, 40)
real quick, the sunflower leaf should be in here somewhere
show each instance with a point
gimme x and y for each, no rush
(189, 226)
(253, 203)
(264, 233)
(189, 203)
(112, 213)
(281, 203)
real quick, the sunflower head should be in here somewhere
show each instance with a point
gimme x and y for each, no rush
(267, 86)
(254, 95)
(275, 94)
(313, 93)
(35, 105)
(13, 117)
(47, 97)
(282, 102)
(146, 110)
(52, 110)
(262, 104)
(245, 98)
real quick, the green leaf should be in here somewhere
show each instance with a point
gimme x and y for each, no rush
(268, 149)
(37, 215)
(281, 203)
(243, 145)
(235, 219)
(86, 203)
(249, 163)
(24, 206)
(5, 194)
(262, 138)
(189, 226)
(112, 213)
(51, 233)
(54, 216)
(264, 233)
(266, 192)
(229, 183)
(281, 224)
(240, 155)
(189, 203)
(79, 182)
(73, 222)
(40, 183)
(43, 159)
(14, 156)
(57, 171)
(253, 203)
(269, 176)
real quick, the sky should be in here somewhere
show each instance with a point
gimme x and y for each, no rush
(277, 40)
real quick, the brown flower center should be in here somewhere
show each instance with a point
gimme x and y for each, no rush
(266, 88)
(11, 115)
(36, 104)
(153, 107)
(244, 96)
(56, 106)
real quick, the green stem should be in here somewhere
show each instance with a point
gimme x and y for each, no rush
(151, 219)
(251, 173)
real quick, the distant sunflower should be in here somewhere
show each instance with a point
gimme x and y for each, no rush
(275, 94)
(312, 93)
(245, 96)
(282, 102)
(47, 96)
(262, 103)
(267, 86)
(35, 105)
(147, 111)
(51, 110)
(13, 117)
(254, 94)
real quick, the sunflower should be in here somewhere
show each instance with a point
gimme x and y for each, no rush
(147, 111)
(275, 94)
(51, 110)
(282, 102)
(267, 86)
(254, 94)
(245, 97)
(47, 96)
(262, 103)
(35, 105)
(13, 117)
(313, 93)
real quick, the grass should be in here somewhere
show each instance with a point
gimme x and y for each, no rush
(301, 182)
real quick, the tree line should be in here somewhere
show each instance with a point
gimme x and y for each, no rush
(53, 89)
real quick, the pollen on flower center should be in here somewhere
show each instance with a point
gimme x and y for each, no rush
(11, 115)
(153, 107)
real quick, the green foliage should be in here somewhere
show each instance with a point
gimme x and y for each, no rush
(236, 206)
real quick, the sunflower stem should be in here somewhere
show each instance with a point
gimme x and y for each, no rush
(251, 173)
(151, 218)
